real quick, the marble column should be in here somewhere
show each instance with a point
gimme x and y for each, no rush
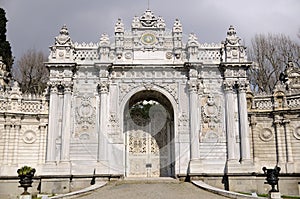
(243, 124)
(17, 128)
(102, 139)
(66, 124)
(53, 124)
(42, 143)
(230, 121)
(279, 146)
(194, 136)
(8, 128)
(289, 153)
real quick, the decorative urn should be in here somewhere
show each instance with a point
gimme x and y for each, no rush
(25, 174)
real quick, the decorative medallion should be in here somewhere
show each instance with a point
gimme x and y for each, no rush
(148, 39)
(297, 133)
(29, 137)
(169, 55)
(128, 55)
(266, 135)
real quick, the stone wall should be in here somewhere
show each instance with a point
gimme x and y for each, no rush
(23, 129)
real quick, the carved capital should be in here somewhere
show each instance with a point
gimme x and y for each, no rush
(242, 85)
(67, 86)
(228, 85)
(193, 86)
(103, 87)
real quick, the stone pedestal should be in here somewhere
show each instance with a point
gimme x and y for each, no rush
(25, 197)
(274, 195)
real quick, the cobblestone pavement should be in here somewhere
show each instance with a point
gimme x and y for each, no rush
(153, 190)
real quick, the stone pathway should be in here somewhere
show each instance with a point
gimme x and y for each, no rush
(149, 189)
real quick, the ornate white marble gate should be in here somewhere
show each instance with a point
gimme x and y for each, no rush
(202, 87)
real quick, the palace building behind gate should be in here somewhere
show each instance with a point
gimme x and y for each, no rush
(146, 103)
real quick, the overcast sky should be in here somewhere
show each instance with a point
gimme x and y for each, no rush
(35, 23)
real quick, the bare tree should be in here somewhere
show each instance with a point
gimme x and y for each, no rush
(270, 54)
(31, 73)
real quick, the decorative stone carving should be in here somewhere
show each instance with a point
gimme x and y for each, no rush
(193, 46)
(177, 27)
(266, 135)
(193, 85)
(172, 89)
(183, 123)
(103, 87)
(228, 85)
(231, 36)
(104, 40)
(148, 86)
(114, 131)
(29, 137)
(148, 19)
(234, 52)
(85, 113)
(192, 41)
(63, 38)
(211, 113)
(119, 27)
(297, 133)
(169, 55)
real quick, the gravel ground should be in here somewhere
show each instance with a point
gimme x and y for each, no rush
(153, 190)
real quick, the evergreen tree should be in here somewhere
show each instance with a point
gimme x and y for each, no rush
(5, 49)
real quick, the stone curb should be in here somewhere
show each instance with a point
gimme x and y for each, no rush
(82, 191)
(222, 192)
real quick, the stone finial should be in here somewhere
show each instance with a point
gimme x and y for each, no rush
(231, 36)
(63, 38)
(177, 27)
(290, 63)
(119, 27)
(193, 40)
(104, 40)
(135, 22)
(161, 22)
(148, 19)
(291, 76)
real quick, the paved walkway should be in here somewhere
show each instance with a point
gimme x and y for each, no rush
(132, 189)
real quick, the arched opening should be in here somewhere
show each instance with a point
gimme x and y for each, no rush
(149, 135)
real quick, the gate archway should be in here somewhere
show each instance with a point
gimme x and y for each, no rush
(149, 135)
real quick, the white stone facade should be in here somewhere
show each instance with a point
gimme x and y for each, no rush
(209, 124)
